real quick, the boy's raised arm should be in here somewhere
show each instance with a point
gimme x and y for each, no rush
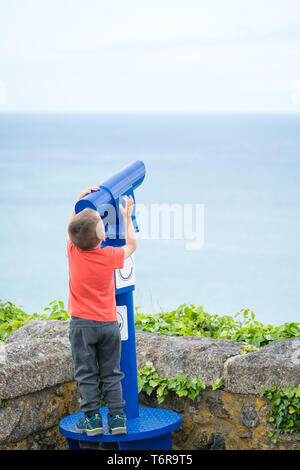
(126, 211)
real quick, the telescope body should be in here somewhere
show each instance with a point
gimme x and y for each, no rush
(106, 201)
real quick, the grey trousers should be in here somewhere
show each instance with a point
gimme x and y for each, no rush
(96, 352)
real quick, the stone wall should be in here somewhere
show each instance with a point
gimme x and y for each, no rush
(234, 417)
(37, 388)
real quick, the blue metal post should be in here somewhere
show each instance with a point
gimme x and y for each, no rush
(128, 353)
(128, 360)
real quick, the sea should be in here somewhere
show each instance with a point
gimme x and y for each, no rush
(244, 171)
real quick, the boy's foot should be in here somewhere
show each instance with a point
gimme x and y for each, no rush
(92, 426)
(117, 423)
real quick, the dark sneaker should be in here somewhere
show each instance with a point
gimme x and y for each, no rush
(117, 424)
(92, 426)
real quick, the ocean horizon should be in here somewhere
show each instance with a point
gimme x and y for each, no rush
(243, 168)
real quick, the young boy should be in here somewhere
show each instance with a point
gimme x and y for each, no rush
(94, 332)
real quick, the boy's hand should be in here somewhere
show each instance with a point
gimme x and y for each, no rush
(127, 210)
(87, 191)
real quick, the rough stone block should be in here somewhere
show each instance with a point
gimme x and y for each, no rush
(36, 356)
(277, 364)
(172, 355)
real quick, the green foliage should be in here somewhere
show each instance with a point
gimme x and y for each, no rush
(4, 403)
(248, 349)
(218, 383)
(285, 414)
(149, 381)
(188, 320)
(13, 317)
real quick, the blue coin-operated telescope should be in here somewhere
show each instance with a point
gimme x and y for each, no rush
(106, 200)
(147, 428)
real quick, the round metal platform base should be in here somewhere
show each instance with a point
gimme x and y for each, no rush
(152, 430)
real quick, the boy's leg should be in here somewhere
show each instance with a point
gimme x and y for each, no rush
(109, 355)
(84, 353)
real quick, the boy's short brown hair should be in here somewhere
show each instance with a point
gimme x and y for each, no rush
(84, 230)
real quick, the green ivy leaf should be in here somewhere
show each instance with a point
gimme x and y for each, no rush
(218, 383)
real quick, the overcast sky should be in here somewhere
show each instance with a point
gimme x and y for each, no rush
(150, 55)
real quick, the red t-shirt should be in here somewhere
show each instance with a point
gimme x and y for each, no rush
(91, 282)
